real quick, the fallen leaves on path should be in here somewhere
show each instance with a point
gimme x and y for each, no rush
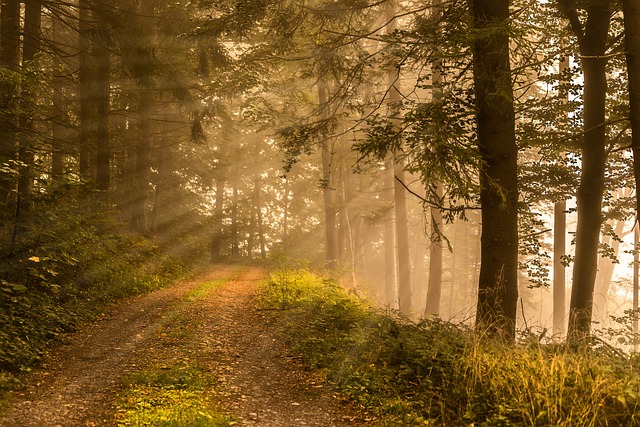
(260, 382)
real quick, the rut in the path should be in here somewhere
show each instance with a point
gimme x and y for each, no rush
(79, 384)
(264, 385)
(260, 384)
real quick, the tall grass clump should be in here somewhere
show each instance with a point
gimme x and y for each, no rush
(436, 373)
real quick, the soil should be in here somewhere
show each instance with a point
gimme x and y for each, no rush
(260, 382)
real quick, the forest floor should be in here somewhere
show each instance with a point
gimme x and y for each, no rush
(259, 382)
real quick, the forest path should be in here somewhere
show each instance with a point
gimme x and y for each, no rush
(259, 382)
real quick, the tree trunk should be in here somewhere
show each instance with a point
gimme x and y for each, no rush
(141, 174)
(592, 42)
(141, 185)
(631, 10)
(330, 211)
(390, 271)
(435, 261)
(285, 213)
(405, 288)
(86, 76)
(560, 247)
(216, 242)
(235, 235)
(102, 62)
(31, 47)
(10, 60)
(59, 116)
(559, 280)
(403, 257)
(498, 282)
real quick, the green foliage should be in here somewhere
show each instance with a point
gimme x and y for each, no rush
(177, 395)
(436, 373)
(64, 266)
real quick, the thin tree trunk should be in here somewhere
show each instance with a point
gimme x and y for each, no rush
(58, 110)
(103, 91)
(10, 60)
(405, 288)
(31, 47)
(86, 84)
(390, 271)
(403, 257)
(560, 246)
(285, 213)
(498, 283)
(631, 10)
(432, 307)
(636, 281)
(592, 41)
(435, 261)
(559, 280)
(235, 235)
(216, 242)
(330, 211)
(141, 174)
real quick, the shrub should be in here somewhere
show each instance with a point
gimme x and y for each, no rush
(64, 267)
(437, 373)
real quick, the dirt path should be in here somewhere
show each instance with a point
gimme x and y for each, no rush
(261, 384)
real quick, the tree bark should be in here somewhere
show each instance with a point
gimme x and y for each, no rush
(86, 74)
(592, 42)
(141, 173)
(102, 60)
(432, 307)
(330, 211)
(30, 48)
(59, 116)
(235, 235)
(390, 271)
(405, 288)
(10, 60)
(559, 280)
(403, 256)
(631, 10)
(560, 247)
(216, 241)
(498, 282)
(435, 261)
(141, 190)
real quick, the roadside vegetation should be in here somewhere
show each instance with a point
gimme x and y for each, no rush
(436, 373)
(67, 266)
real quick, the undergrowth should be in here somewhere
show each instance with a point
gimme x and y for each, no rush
(63, 268)
(436, 373)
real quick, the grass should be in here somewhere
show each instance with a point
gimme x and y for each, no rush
(438, 374)
(177, 390)
(203, 290)
(177, 395)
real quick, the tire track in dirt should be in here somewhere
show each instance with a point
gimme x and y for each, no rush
(80, 381)
(260, 384)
